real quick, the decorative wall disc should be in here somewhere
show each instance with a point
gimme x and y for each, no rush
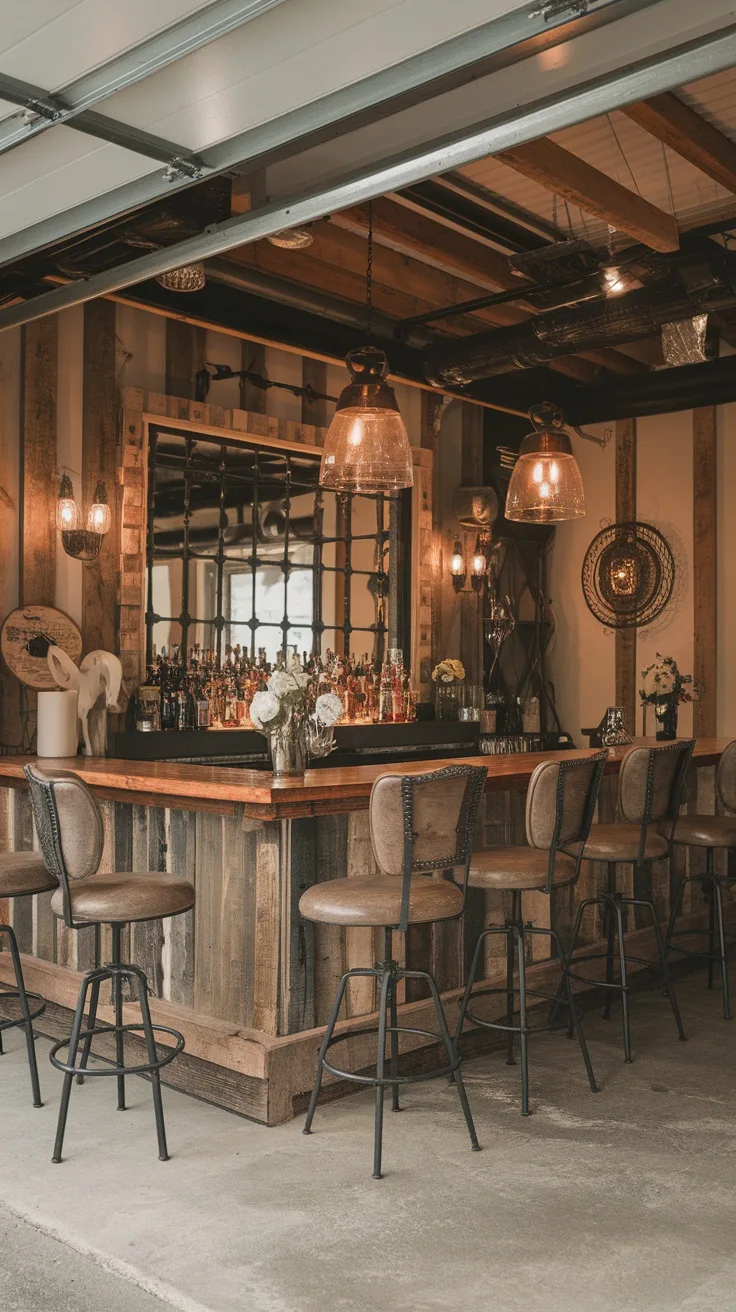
(628, 575)
(26, 636)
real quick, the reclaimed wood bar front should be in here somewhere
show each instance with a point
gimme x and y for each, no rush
(242, 976)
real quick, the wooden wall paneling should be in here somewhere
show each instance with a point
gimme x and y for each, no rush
(303, 859)
(21, 908)
(181, 841)
(360, 944)
(705, 565)
(6, 845)
(11, 726)
(231, 952)
(208, 912)
(253, 358)
(132, 597)
(100, 579)
(626, 673)
(329, 940)
(314, 375)
(149, 854)
(471, 474)
(185, 355)
(267, 944)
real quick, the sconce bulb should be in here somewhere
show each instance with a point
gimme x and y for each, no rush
(457, 564)
(67, 514)
(99, 517)
(479, 565)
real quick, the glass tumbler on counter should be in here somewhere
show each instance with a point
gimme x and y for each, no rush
(447, 697)
(472, 701)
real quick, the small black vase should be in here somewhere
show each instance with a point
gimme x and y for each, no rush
(666, 712)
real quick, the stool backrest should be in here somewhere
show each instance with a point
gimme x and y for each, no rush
(560, 802)
(68, 824)
(422, 823)
(726, 778)
(650, 785)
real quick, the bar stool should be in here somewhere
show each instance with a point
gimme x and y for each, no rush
(422, 830)
(650, 786)
(21, 875)
(69, 827)
(560, 803)
(711, 832)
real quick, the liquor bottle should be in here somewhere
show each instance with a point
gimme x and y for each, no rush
(397, 694)
(202, 705)
(168, 708)
(385, 697)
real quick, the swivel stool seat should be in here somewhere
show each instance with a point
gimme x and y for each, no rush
(560, 803)
(21, 875)
(422, 828)
(69, 827)
(650, 787)
(713, 833)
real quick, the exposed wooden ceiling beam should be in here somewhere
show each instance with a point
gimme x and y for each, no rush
(689, 135)
(577, 181)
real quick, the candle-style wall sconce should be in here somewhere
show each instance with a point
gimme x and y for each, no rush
(82, 543)
(475, 508)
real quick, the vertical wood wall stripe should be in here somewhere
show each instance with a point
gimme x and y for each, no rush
(471, 474)
(100, 462)
(705, 564)
(626, 675)
(314, 375)
(185, 356)
(11, 730)
(38, 462)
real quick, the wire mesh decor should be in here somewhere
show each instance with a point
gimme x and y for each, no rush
(628, 575)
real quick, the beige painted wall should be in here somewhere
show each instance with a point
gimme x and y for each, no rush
(582, 663)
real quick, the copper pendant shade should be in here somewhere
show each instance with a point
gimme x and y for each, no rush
(545, 486)
(367, 446)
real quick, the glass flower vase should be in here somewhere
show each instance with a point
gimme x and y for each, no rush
(447, 701)
(666, 713)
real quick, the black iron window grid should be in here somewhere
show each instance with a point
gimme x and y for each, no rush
(294, 473)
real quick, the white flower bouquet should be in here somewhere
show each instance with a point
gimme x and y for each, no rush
(296, 726)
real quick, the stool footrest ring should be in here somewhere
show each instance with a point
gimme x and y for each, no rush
(371, 1080)
(13, 994)
(551, 998)
(114, 1069)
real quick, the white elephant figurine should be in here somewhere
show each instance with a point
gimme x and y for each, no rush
(98, 681)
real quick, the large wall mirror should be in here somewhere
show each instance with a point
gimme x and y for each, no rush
(244, 549)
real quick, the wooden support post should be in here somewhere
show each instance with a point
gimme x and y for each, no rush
(471, 474)
(253, 358)
(38, 462)
(185, 356)
(626, 513)
(11, 728)
(705, 593)
(314, 375)
(100, 463)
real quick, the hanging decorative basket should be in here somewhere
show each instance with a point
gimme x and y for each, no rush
(628, 575)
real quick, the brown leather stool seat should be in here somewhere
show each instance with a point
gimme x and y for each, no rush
(621, 843)
(560, 802)
(422, 830)
(650, 784)
(21, 875)
(24, 873)
(69, 827)
(712, 832)
(125, 897)
(522, 868)
(378, 901)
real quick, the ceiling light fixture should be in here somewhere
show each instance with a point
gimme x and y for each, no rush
(545, 486)
(367, 446)
(189, 278)
(292, 239)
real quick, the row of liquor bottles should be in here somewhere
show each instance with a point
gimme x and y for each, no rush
(202, 693)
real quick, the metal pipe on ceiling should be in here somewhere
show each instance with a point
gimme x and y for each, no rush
(501, 41)
(696, 59)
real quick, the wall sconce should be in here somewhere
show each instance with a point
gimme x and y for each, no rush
(82, 543)
(478, 565)
(457, 567)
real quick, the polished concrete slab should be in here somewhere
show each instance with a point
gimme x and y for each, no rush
(619, 1202)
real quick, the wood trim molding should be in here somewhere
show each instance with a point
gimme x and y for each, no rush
(626, 512)
(705, 569)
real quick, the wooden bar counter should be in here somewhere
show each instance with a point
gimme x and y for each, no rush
(242, 976)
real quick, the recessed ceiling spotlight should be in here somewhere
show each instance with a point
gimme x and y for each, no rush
(292, 239)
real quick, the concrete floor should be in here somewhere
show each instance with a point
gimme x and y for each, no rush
(619, 1202)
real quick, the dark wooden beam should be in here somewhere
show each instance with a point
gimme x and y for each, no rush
(253, 358)
(99, 462)
(185, 356)
(39, 371)
(314, 375)
(580, 183)
(705, 562)
(684, 131)
(626, 513)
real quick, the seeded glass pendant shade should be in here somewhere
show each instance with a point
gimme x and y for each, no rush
(189, 278)
(545, 486)
(367, 446)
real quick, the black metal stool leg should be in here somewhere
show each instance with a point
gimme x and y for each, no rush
(568, 956)
(617, 910)
(469, 985)
(163, 1152)
(709, 880)
(608, 916)
(94, 999)
(718, 893)
(667, 978)
(380, 1069)
(323, 1052)
(574, 1018)
(394, 1021)
(674, 913)
(73, 1046)
(25, 1012)
(453, 1059)
(118, 1004)
(523, 1031)
(510, 938)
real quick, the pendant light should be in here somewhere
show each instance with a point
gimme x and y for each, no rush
(545, 486)
(367, 446)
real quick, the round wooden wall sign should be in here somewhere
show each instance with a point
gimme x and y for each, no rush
(26, 636)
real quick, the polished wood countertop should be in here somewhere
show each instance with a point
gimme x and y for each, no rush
(318, 792)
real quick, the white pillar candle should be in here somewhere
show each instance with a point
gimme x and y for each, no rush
(58, 732)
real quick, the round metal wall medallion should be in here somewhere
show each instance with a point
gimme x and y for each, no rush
(628, 575)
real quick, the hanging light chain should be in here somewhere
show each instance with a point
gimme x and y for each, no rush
(369, 273)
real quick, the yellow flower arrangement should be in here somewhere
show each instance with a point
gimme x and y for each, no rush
(448, 671)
